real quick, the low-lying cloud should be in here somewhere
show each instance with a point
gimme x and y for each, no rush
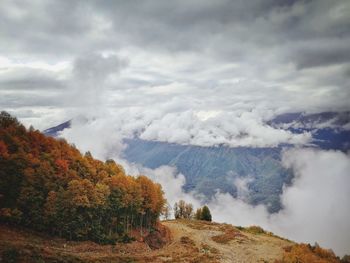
(232, 129)
(315, 205)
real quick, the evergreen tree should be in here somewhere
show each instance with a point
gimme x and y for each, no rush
(206, 215)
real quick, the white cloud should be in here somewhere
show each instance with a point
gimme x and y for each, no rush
(95, 136)
(241, 184)
(315, 206)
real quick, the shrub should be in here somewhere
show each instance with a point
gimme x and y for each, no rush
(255, 230)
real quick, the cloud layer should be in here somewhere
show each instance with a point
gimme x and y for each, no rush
(179, 59)
(315, 205)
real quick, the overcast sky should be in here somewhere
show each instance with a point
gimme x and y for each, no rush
(174, 62)
(198, 72)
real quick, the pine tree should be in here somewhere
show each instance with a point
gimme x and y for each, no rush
(206, 215)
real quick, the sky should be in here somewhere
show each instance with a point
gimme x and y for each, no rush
(175, 62)
(197, 72)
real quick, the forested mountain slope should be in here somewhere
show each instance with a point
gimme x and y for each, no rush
(48, 185)
(208, 169)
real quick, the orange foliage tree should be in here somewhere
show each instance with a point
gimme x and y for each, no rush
(48, 185)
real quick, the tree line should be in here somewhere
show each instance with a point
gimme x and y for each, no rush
(183, 210)
(48, 185)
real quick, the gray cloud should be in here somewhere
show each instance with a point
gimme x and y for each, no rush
(26, 79)
(90, 82)
(202, 56)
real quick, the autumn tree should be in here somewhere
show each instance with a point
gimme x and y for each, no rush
(188, 212)
(198, 214)
(48, 185)
(183, 210)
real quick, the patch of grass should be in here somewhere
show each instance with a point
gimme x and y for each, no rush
(187, 241)
(200, 224)
(205, 248)
(124, 239)
(307, 253)
(228, 235)
(255, 230)
(204, 258)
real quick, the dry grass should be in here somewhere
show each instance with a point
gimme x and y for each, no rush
(308, 254)
(22, 245)
(229, 235)
(191, 241)
(255, 230)
(187, 241)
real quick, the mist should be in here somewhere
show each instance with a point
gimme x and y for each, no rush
(315, 206)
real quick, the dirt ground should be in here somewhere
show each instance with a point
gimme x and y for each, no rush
(191, 241)
(244, 247)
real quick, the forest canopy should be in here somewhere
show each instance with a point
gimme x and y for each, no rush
(48, 185)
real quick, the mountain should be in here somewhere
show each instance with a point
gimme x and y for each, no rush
(185, 241)
(207, 169)
(253, 174)
(330, 130)
(54, 131)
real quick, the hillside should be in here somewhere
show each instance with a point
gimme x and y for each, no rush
(207, 169)
(189, 241)
(49, 186)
